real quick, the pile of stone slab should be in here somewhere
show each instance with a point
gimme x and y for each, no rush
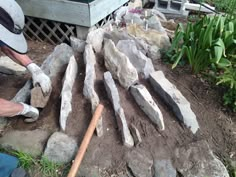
(129, 52)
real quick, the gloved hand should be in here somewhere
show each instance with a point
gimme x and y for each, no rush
(39, 78)
(30, 112)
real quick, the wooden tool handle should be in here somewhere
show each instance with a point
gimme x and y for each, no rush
(86, 140)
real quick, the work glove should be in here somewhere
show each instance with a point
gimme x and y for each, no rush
(39, 78)
(30, 112)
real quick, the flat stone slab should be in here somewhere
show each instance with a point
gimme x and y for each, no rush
(114, 97)
(164, 168)
(38, 99)
(8, 66)
(173, 97)
(89, 81)
(66, 93)
(197, 159)
(140, 163)
(60, 148)
(141, 62)
(119, 65)
(147, 104)
(30, 142)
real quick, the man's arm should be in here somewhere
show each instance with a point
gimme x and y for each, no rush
(19, 58)
(39, 78)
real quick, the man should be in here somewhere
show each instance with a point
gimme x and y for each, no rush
(13, 44)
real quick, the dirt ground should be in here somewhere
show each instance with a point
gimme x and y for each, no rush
(217, 126)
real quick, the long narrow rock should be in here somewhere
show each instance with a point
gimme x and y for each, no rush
(66, 93)
(136, 135)
(119, 112)
(173, 97)
(89, 91)
(119, 65)
(147, 104)
(54, 64)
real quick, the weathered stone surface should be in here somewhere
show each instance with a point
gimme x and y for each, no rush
(88, 171)
(119, 65)
(120, 116)
(60, 148)
(152, 37)
(136, 135)
(56, 62)
(164, 168)
(3, 123)
(30, 142)
(95, 38)
(90, 77)
(140, 163)
(154, 23)
(148, 105)
(77, 44)
(152, 51)
(135, 4)
(115, 36)
(66, 93)
(197, 159)
(37, 98)
(8, 66)
(142, 63)
(157, 13)
(19, 172)
(133, 18)
(173, 97)
(170, 25)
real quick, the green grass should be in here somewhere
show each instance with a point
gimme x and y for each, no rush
(46, 167)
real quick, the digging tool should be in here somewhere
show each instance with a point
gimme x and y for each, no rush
(85, 142)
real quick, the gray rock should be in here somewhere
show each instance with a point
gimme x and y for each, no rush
(88, 171)
(198, 160)
(119, 112)
(173, 97)
(95, 38)
(119, 65)
(66, 93)
(60, 148)
(19, 172)
(151, 36)
(77, 44)
(154, 23)
(133, 18)
(8, 66)
(148, 105)
(156, 12)
(3, 123)
(115, 36)
(139, 163)
(151, 51)
(164, 168)
(30, 142)
(136, 135)
(142, 63)
(56, 62)
(90, 77)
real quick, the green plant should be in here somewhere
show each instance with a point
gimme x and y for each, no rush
(26, 160)
(202, 44)
(49, 168)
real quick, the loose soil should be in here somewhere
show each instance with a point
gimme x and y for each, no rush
(217, 125)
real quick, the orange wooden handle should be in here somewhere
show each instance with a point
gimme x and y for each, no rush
(86, 140)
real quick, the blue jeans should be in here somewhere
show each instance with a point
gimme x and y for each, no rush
(2, 43)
